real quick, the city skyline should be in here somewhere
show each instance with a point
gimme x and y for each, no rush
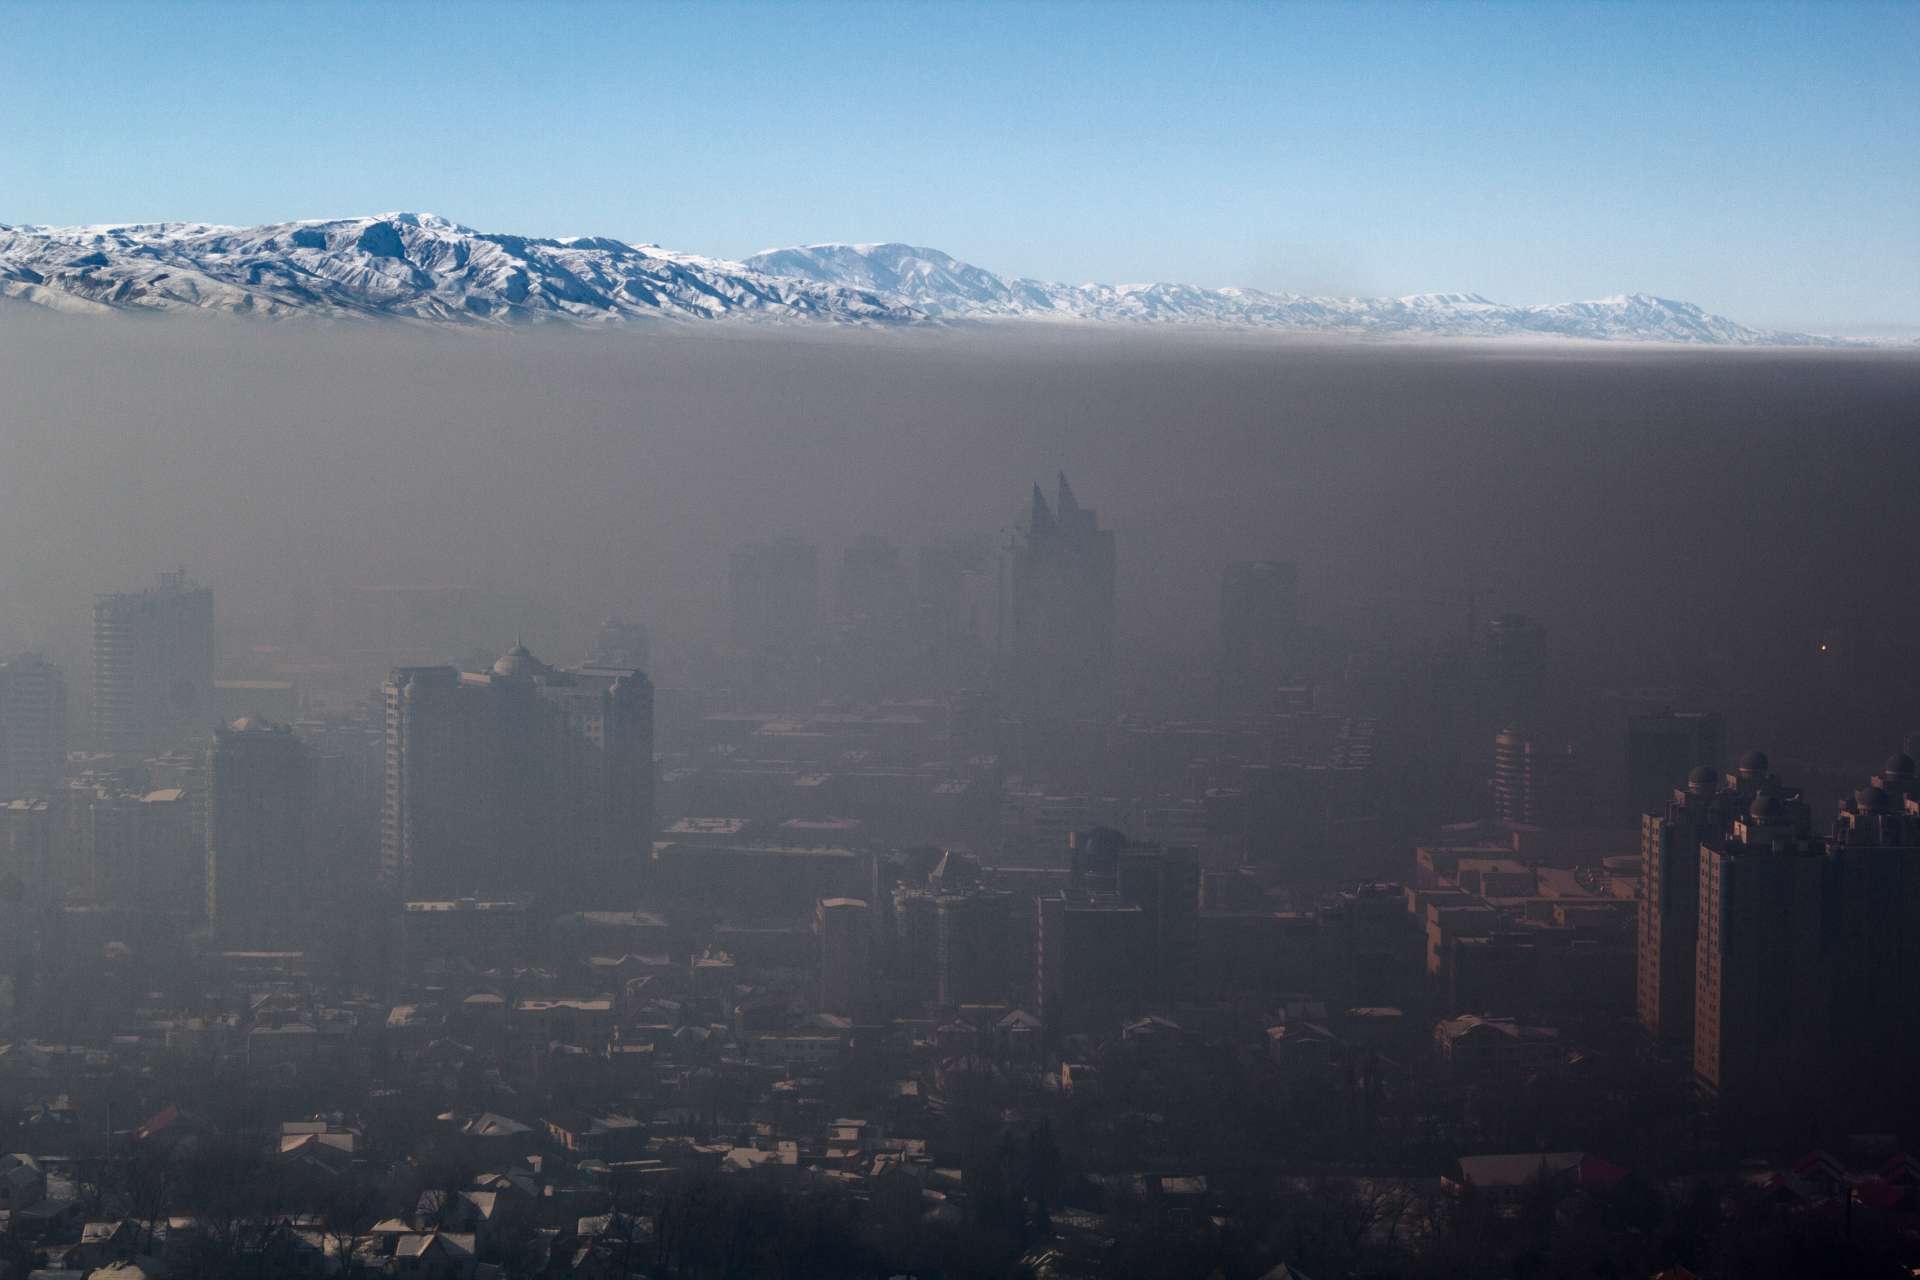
(534, 758)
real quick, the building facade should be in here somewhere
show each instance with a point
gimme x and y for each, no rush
(844, 927)
(1666, 746)
(521, 781)
(1063, 608)
(260, 875)
(773, 590)
(153, 666)
(33, 726)
(1669, 909)
(1259, 632)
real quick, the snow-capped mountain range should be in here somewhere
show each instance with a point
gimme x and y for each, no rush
(411, 266)
(422, 268)
(943, 286)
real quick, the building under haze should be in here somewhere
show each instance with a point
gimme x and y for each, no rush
(33, 726)
(620, 643)
(1781, 959)
(773, 590)
(1124, 932)
(843, 928)
(1062, 608)
(261, 878)
(1259, 632)
(1700, 816)
(1538, 785)
(871, 588)
(1514, 671)
(140, 848)
(1763, 976)
(1667, 745)
(1874, 890)
(971, 936)
(153, 666)
(524, 779)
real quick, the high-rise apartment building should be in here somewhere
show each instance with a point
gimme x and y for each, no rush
(261, 879)
(1763, 977)
(1090, 959)
(26, 854)
(973, 940)
(957, 591)
(1514, 668)
(774, 589)
(871, 588)
(1669, 910)
(953, 939)
(1538, 785)
(521, 780)
(1800, 947)
(1160, 887)
(1063, 608)
(139, 848)
(1164, 882)
(1666, 746)
(914, 946)
(33, 726)
(844, 928)
(1259, 632)
(620, 643)
(153, 666)
(1874, 888)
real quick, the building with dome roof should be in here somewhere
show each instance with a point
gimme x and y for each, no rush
(523, 780)
(1873, 887)
(1800, 944)
(1700, 815)
(1663, 745)
(1763, 965)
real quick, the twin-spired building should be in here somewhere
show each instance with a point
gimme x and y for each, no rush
(1062, 608)
(524, 780)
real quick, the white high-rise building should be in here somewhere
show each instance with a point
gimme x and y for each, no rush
(33, 726)
(153, 666)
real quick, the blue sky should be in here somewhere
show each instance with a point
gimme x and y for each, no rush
(1759, 160)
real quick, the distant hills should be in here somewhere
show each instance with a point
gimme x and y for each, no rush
(426, 269)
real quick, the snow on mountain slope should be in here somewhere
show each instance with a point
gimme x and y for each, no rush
(941, 285)
(419, 267)
(405, 265)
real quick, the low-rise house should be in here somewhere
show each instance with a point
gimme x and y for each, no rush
(1301, 1047)
(107, 1240)
(497, 1141)
(580, 1020)
(435, 1255)
(1508, 1176)
(22, 1182)
(1496, 1047)
(292, 1043)
(606, 1137)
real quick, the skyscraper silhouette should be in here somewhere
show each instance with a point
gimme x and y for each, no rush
(1063, 608)
(523, 780)
(152, 665)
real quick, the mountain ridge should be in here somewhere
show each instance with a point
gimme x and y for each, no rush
(422, 268)
(945, 286)
(408, 266)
